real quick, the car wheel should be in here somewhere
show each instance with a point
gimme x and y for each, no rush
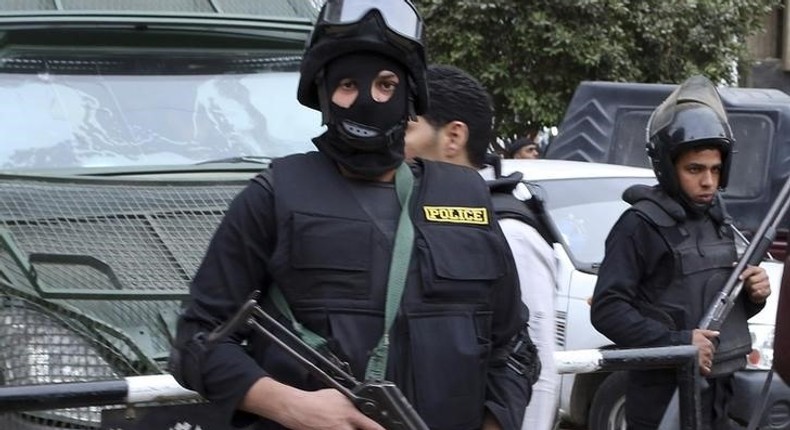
(607, 411)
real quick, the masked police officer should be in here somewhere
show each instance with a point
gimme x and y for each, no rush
(671, 252)
(317, 232)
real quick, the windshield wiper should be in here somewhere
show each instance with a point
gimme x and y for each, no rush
(259, 159)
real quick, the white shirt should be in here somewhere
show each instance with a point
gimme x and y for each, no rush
(536, 264)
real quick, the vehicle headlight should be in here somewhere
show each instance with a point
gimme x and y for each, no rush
(762, 355)
(38, 349)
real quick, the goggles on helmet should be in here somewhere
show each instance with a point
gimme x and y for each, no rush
(400, 16)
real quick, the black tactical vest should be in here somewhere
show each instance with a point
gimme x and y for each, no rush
(506, 205)
(331, 263)
(704, 253)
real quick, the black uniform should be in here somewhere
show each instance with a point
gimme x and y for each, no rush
(326, 241)
(662, 268)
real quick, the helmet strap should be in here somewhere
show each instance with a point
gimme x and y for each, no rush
(412, 111)
(323, 97)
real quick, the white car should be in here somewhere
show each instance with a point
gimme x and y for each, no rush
(582, 202)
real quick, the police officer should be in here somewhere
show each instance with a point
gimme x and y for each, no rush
(319, 231)
(671, 252)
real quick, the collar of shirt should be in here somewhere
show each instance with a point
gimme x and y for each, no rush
(487, 172)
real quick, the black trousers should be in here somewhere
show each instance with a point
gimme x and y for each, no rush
(649, 393)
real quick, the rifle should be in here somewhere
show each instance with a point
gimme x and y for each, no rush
(381, 401)
(727, 296)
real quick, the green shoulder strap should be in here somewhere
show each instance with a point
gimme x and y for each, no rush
(399, 268)
(308, 336)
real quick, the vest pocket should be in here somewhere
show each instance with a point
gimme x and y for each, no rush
(330, 255)
(702, 275)
(459, 264)
(449, 362)
(722, 256)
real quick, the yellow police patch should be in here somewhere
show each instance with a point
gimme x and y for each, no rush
(457, 215)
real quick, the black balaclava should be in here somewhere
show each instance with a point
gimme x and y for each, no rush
(367, 137)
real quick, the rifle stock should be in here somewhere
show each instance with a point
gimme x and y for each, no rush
(724, 301)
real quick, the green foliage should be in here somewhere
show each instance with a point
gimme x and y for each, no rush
(531, 54)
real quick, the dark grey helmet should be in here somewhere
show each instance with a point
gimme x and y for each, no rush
(389, 27)
(692, 116)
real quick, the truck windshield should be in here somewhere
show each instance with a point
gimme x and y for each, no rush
(91, 110)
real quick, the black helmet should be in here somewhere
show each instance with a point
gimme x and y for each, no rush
(692, 116)
(389, 27)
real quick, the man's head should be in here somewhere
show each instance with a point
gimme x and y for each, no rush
(367, 96)
(374, 48)
(390, 28)
(691, 120)
(457, 127)
(522, 148)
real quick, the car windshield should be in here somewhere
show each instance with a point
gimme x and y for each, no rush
(108, 110)
(584, 210)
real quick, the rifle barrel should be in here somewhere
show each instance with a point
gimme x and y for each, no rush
(757, 248)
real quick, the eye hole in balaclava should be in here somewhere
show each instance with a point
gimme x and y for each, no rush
(370, 74)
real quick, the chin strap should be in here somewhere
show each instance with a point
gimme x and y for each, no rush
(323, 100)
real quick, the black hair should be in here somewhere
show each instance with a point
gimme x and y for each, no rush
(512, 147)
(457, 96)
(699, 146)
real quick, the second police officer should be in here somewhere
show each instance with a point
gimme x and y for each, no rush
(671, 252)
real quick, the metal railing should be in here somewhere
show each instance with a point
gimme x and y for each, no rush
(136, 390)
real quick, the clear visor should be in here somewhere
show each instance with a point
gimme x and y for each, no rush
(400, 15)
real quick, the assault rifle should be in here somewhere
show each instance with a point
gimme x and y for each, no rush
(727, 296)
(381, 401)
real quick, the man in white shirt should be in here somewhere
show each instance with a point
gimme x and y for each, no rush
(457, 128)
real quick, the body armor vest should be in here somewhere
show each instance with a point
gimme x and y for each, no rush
(332, 259)
(704, 252)
(506, 205)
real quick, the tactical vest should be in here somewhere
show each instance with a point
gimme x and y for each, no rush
(331, 263)
(704, 252)
(507, 206)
